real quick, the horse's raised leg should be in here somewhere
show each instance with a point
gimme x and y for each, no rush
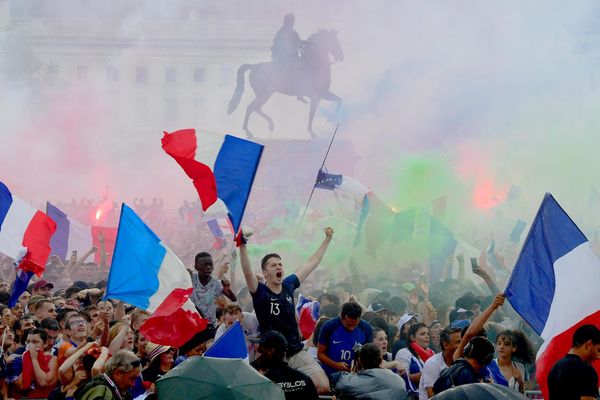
(314, 103)
(255, 106)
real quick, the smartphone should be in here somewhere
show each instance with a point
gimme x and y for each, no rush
(474, 263)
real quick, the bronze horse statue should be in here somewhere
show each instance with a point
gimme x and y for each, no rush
(310, 76)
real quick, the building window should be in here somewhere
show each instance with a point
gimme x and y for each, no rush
(170, 75)
(141, 75)
(52, 72)
(199, 74)
(170, 114)
(112, 75)
(82, 72)
(141, 110)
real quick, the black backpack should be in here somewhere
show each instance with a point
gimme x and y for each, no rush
(455, 376)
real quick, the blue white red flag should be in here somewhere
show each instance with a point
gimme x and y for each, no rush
(222, 168)
(147, 274)
(554, 285)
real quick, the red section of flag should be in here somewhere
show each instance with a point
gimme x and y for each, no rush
(37, 241)
(171, 325)
(181, 145)
(558, 347)
(110, 238)
(306, 323)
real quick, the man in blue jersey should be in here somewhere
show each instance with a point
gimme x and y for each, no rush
(339, 336)
(275, 309)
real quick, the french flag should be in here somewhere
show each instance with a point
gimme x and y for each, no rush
(350, 188)
(218, 228)
(145, 273)
(72, 235)
(222, 168)
(554, 285)
(25, 233)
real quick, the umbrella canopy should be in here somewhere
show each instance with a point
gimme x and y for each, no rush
(475, 391)
(216, 378)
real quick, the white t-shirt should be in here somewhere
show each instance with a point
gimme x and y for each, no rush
(430, 373)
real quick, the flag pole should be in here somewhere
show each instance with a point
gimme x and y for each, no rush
(313, 188)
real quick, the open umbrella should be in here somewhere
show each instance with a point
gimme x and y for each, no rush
(475, 391)
(216, 378)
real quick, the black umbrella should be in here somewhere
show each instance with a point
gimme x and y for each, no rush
(475, 391)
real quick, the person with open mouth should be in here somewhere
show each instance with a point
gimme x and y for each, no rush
(275, 309)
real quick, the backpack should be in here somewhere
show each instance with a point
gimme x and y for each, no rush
(454, 376)
(95, 389)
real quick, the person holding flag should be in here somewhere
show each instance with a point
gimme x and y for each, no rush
(274, 305)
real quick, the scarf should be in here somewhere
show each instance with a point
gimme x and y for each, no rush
(424, 354)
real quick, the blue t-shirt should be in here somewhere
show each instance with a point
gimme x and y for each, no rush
(276, 311)
(340, 341)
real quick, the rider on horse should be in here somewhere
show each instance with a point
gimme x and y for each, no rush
(287, 44)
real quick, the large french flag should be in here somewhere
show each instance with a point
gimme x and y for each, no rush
(145, 273)
(222, 168)
(25, 232)
(554, 285)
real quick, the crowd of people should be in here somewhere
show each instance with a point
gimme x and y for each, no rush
(369, 339)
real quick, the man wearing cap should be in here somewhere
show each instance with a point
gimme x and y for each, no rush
(42, 288)
(275, 309)
(121, 372)
(272, 348)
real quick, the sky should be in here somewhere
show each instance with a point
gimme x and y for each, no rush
(461, 99)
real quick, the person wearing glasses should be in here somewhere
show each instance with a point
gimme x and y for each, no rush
(119, 376)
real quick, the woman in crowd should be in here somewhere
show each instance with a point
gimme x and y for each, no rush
(39, 375)
(76, 370)
(162, 360)
(380, 339)
(510, 347)
(414, 355)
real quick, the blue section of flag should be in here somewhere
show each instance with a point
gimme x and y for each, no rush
(20, 285)
(215, 229)
(138, 255)
(530, 288)
(327, 181)
(234, 170)
(515, 235)
(442, 245)
(232, 344)
(5, 202)
(60, 240)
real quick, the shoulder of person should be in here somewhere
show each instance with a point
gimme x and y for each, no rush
(291, 280)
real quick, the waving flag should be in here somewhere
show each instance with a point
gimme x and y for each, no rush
(554, 285)
(147, 274)
(350, 188)
(222, 168)
(72, 235)
(232, 344)
(25, 232)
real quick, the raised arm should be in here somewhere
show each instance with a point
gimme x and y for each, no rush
(316, 258)
(478, 323)
(251, 280)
